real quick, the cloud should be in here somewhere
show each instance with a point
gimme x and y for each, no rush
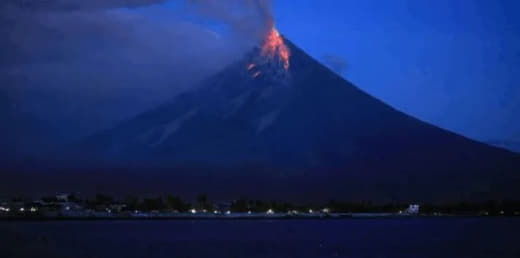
(336, 63)
(70, 5)
(85, 65)
(246, 18)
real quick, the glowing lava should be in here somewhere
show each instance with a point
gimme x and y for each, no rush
(273, 50)
(274, 46)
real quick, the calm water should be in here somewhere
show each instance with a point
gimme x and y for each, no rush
(415, 237)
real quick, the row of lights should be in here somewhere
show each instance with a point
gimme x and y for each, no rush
(270, 211)
(194, 211)
(32, 209)
(310, 211)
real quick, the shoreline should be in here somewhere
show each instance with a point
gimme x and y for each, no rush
(230, 218)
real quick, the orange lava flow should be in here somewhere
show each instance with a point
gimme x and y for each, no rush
(274, 46)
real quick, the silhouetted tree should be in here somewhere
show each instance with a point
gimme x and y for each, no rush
(202, 201)
(74, 198)
(153, 204)
(102, 199)
(176, 203)
(49, 199)
(240, 205)
(132, 203)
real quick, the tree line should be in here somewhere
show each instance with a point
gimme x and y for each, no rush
(203, 203)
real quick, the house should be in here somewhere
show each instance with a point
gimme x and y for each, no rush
(4, 207)
(70, 206)
(62, 197)
(116, 207)
(413, 209)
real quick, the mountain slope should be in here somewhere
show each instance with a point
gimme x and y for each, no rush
(305, 128)
(506, 144)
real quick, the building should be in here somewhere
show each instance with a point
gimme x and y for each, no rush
(413, 209)
(62, 197)
(116, 207)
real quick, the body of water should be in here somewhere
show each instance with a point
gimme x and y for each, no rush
(407, 237)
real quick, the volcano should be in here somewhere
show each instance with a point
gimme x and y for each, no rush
(264, 128)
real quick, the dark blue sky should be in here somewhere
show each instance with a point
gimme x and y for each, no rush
(454, 63)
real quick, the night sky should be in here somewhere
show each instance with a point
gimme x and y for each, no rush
(84, 66)
(451, 63)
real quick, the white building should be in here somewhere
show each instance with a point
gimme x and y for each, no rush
(413, 209)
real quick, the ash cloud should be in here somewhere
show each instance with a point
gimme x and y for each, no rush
(75, 4)
(250, 19)
(81, 66)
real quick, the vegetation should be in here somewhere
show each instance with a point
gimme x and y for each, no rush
(171, 203)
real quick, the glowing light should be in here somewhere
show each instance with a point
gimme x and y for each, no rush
(270, 211)
(22, 209)
(33, 209)
(193, 211)
(311, 211)
(257, 74)
(274, 46)
(251, 66)
(228, 212)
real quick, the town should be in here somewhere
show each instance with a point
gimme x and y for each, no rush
(71, 206)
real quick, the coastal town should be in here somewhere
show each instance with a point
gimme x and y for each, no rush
(70, 206)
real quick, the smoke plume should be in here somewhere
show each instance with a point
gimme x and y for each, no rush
(75, 66)
(248, 19)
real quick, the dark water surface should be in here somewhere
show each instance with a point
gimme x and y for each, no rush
(411, 237)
